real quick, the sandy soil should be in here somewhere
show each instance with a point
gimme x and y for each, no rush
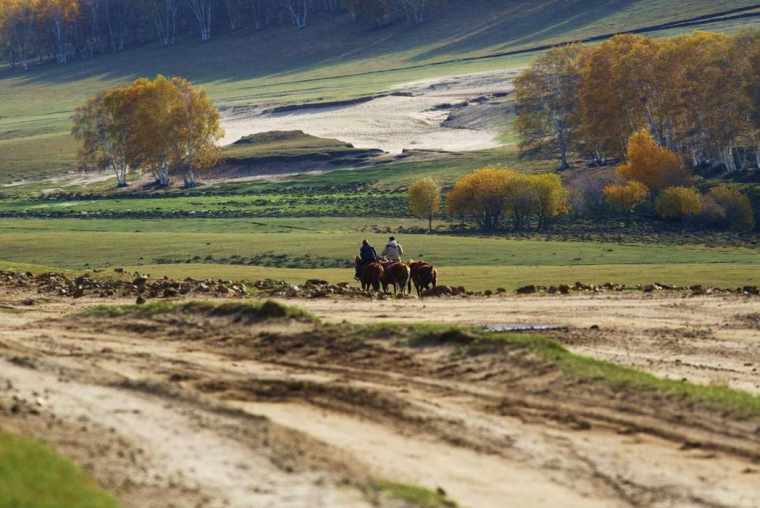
(414, 118)
(217, 414)
(704, 339)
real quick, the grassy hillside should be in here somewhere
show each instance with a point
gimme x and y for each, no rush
(323, 62)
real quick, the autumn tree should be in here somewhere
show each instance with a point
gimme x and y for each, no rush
(196, 128)
(678, 203)
(612, 91)
(547, 103)
(652, 165)
(164, 126)
(58, 14)
(425, 200)
(490, 194)
(102, 129)
(551, 197)
(481, 196)
(748, 45)
(17, 22)
(626, 197)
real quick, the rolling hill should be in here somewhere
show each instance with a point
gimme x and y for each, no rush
(330, 60)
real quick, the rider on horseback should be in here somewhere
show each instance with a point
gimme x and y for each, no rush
(393, 251)
(367, 254)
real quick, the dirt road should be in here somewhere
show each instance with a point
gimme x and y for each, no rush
(216, 413)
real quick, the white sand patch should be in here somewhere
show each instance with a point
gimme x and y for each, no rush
(391, 123)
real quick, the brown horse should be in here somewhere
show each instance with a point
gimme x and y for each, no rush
(423, 275)
(396, 275)
(370, 274)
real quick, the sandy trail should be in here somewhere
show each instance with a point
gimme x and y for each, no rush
(414, 117)
(399, 425)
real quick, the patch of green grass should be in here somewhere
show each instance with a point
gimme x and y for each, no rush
(282, 144)
(419, 497)
(474, 341)
(33, 476)
(112, 243)
(238, 312)
(715, 397)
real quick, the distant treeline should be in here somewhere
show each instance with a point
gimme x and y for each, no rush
(67, 30)
(697, 95)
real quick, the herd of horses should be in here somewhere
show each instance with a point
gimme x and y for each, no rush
(401, 276)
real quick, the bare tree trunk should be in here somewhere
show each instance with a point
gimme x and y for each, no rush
(120, 169)
(202, 10)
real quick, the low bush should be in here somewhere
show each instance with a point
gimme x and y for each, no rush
(678, 203)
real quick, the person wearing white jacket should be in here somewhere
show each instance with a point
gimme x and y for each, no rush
(393, 251)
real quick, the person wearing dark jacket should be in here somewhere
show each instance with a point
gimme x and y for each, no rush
(367, 254)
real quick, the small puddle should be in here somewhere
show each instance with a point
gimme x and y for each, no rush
(521, 327)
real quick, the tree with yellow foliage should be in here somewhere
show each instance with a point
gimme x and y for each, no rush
(425, 200)
(489, 194)
(163, 125)
(678, 203)
(481, 196)
(614, 93)
(101, 126)
(17, 22)
(625, 198)
(552, 198)
(197, 128)
(58, 14)
(652, 165)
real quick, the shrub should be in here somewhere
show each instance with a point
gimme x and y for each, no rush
(738, 212)
(551, 197)
(482, 196)
(425, 200)
(488, 194)
(624, 198)
(712, 214)
(652, 165)
(586, 192)
(678, 203)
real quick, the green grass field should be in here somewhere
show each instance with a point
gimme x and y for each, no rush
(33, 476)
(220, 248)
(324, 62)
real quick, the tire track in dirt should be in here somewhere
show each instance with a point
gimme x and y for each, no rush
(573, 459)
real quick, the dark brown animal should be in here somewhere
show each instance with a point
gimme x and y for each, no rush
(370, 275)
(423, 276)
(396, 275)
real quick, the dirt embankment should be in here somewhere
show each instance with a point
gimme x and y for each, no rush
(223, 413)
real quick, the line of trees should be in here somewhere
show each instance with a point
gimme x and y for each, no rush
(494, 196)
(66, 30)
(656, 177)
(163, 126)
(697, 95)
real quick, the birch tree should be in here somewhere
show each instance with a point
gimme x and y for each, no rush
(202, 11)
(547, 102)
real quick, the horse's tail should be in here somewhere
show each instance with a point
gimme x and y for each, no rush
(434, 277)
